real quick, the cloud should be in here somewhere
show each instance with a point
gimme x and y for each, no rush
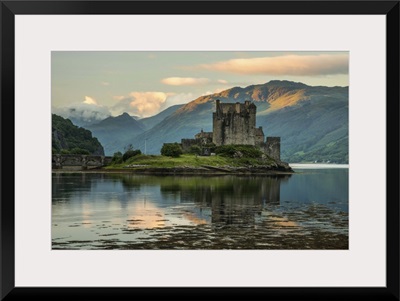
(90, 101)
(145, 104)
(141, 104)
(300, 65)
(185, 81)
(105, 83)
(222, 81)
(83, 112)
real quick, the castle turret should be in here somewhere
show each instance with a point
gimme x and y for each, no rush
(218, 109)
(237, 107)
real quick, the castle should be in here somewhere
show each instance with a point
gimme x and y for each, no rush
(235, 123)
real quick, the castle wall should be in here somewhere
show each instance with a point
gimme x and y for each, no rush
(187, 143)
(259, 136)
(238, 129)
(273, 147)
(201, 140)
(218, 133)
(204, 135)
(259, 140)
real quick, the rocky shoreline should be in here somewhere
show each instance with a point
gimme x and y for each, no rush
(279, 168)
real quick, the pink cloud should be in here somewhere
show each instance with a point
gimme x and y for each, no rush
(90, 100)
(185, 81)
(141, 104)
(322, 64)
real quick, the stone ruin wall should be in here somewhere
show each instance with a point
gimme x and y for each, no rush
(186, 144)
(259, 136)
(273, 147)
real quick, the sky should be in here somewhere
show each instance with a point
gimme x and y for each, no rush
(98, 84)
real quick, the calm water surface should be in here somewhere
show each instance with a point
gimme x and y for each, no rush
(306, 210)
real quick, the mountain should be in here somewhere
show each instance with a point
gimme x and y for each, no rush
(313, 128)
(150, 122)
(312, 121)
(115, 133)
(66, 136)
(84, 122)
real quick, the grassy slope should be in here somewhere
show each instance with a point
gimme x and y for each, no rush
(188, 161)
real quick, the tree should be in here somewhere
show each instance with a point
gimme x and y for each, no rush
(171, 150)
(130, 153)
(117, 158)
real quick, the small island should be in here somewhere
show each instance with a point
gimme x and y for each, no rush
(195, 164)
(235, 146)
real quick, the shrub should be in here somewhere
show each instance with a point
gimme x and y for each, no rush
(195, 149)
(233, 151)
(117, 158)
(130, 153)
(64, 151)
(79, 151)
(171, 150)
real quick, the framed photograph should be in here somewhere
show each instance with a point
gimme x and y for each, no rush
(194, 149)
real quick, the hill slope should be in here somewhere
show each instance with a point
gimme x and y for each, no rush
(67, 136)
(150, 122)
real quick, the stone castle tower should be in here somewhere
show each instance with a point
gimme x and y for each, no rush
(235, 123)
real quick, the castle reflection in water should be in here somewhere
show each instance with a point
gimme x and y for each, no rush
(228, 199)
(233, 200)
(125, 211)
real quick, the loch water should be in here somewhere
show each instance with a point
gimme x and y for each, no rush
(304, 210)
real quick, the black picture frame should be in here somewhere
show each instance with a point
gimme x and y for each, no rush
(11, 8)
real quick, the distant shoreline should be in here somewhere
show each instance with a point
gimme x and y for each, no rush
(317, 165)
